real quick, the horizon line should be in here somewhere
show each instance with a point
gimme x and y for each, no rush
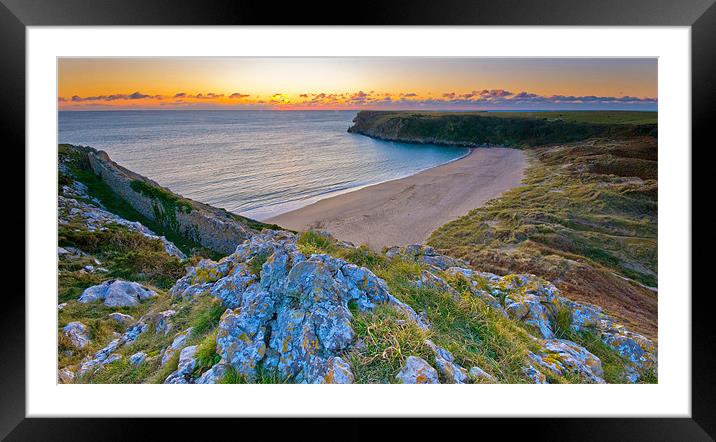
(353, 110)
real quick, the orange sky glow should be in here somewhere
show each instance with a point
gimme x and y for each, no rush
(356, 83)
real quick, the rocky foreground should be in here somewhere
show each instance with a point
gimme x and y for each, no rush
(306, 308)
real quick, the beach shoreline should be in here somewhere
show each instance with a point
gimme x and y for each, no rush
(274, 211)
(407, 210)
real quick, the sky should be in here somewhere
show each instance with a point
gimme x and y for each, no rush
(351, 83)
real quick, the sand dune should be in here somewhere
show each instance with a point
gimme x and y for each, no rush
(407, 210)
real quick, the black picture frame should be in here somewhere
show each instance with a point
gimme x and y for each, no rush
(700, 15)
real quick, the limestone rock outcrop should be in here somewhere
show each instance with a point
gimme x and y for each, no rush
(538, 303)
(286, 313)
(417, 371)
(116, 293)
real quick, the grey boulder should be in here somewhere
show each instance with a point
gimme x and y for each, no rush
(77, 334)
(137, 358)
(121, 318)
(417, 371)
(116, 293)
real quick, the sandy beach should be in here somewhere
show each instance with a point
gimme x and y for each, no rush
(408, 210)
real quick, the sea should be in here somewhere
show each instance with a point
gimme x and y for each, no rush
(254, 163)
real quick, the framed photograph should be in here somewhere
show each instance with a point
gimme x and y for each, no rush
(302, 220)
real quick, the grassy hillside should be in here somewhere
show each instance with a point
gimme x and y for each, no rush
(591, 117)
(513, 129)
(585, 218)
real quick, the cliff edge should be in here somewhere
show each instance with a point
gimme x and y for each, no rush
(509, 129)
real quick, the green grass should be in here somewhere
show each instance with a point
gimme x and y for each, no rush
(153, 343)
(649, 377)
(231, 376)
(72, 284)
(594, 117)
(314, 242)
(123, 372)
(562, 324)
(387, 344)
(473, 332)
(253, 224)
(207, 319)
(125, 253)
(612, 363)
(167, 198)
(163, 372)
(206, 356)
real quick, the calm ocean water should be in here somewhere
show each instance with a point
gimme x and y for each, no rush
(254, 163)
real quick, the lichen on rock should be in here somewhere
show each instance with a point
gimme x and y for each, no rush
(417, 371)
(77, 333)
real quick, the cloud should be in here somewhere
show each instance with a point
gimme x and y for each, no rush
(475, 99)
(137, 96)
(114, 97)
(209, 96)
(495, 93)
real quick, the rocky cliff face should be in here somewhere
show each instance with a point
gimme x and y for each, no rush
(291, 317)
(213, 228)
